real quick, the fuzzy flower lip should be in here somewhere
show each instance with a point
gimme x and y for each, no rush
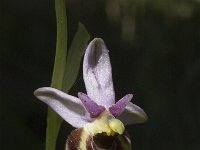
(97, 74)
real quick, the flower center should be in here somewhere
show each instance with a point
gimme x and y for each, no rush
(106, 124)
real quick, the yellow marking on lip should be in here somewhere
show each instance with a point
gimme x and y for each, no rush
(83, 141)
(105, 124)
(117, 126)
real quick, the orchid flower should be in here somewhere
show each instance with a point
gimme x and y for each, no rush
(98, 118)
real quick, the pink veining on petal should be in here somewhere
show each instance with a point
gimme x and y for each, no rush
(119, 107)
(93, 108)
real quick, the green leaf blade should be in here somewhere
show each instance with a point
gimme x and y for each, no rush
(53, 120)
(75, 54)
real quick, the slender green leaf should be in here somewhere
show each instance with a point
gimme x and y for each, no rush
(53, 120)
(61, 45)
(74, 57)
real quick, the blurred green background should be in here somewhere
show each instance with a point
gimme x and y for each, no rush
(155, 54)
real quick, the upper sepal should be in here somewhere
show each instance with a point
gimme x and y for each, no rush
(97, 73)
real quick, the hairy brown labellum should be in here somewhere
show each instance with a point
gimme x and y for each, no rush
(78, 140)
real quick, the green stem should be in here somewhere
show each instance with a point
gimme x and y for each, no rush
(53, 120)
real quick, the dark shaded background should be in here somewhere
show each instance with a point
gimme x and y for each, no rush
(155, 53)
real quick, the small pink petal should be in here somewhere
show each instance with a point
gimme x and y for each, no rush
(93, 108)
(119, 107)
